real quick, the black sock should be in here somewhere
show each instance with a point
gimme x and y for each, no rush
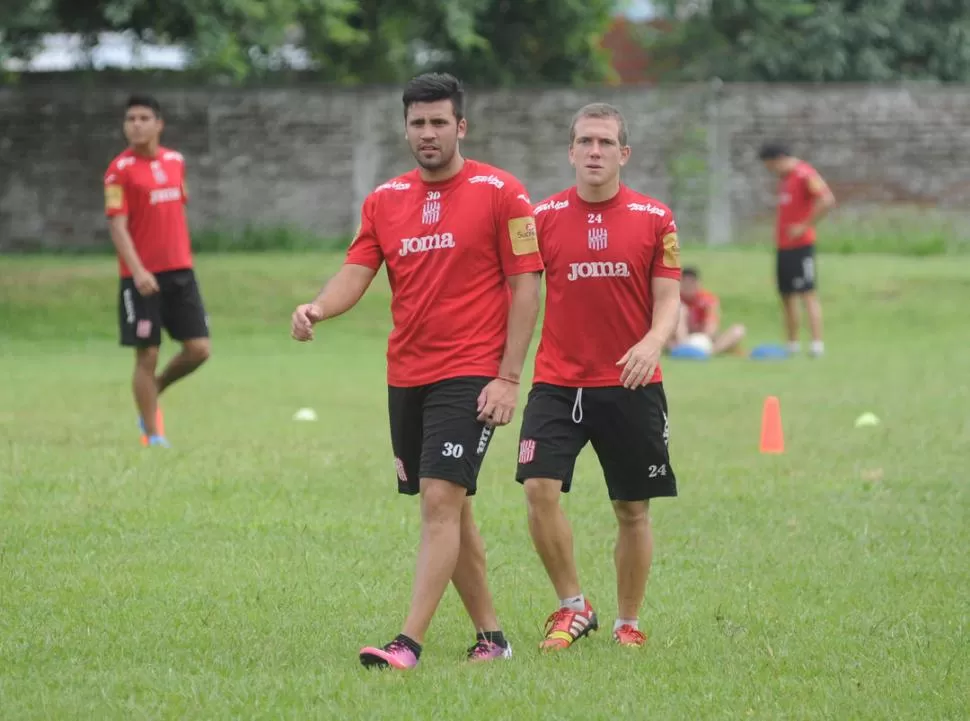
(410, 643)
(496, 637)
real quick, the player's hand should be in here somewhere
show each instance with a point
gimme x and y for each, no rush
(496, 402)
(797, 230)
(145, 283)
(302, 322)
(640, 362)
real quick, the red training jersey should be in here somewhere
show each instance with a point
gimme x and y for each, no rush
(797, 192)
(699, 310)
(152, 193)
(449, 247)
(600, 260)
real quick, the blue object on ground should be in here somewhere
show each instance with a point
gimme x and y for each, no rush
(688, 352)
(770, 351)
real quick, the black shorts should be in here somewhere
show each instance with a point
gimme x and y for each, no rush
(177, 306)
(627, 428)
(435, 433)
(796, 270)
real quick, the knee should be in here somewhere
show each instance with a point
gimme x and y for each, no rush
(198, 350)
(441, 501)
(740, 330)
(542, 495)
(632, 513)
(147, 358)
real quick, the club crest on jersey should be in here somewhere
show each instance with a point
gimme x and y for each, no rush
(597, 238)
(425, 243)
(159, 172)
(599, 269)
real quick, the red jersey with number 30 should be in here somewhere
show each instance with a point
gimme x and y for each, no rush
(151, 192)
(449, 248)
(797, 192)
(600, 261)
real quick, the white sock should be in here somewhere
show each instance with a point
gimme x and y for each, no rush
(794, 346)
(624, 622)
(818, 347)
(576, 603)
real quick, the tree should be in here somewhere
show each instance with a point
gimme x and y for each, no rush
(815, 40)
(347, 41)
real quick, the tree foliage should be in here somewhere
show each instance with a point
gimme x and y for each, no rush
(499, 42)
(815, 40)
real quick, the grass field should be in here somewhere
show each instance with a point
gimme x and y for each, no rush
(237, 574)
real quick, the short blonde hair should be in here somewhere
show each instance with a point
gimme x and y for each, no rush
(599, 110)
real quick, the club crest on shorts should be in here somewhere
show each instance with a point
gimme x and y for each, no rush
(527, 451)
(144, 328)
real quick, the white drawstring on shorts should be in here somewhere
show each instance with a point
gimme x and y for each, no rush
(578, 407)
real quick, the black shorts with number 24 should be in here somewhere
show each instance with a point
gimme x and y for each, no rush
(177, 307)
(627, 428)
(435, 433)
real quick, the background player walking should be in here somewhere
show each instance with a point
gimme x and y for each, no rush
(612, 301)
(144, 199)
(459, 242)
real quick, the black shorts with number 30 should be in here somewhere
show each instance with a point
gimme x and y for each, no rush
(628, 430)
(435, 433)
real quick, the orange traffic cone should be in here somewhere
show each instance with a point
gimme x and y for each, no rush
(772, 437)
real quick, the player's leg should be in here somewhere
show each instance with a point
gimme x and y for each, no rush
(728, 340)
(550, 440)
(813, 307)
(788, 275)
(140, 328)
(184, 316)
(629, 432)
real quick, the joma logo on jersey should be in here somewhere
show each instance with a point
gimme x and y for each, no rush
(490, 179)
(425, 243)
(646, 208)
(165, 195)
(599, 269)
(551, 205)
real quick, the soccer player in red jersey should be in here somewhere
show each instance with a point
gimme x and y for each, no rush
(804, 198)
(701, 313)
(458, 239)
(144, 200)
(612, 300)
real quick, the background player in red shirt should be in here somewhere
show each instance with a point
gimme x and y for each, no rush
(804, 198)
(144, 199)
(612, 301)
(459, 242)
(701, 313)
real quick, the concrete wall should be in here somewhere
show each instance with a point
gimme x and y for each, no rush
(306, 157)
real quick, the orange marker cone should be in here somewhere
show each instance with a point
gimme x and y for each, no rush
(772, 437)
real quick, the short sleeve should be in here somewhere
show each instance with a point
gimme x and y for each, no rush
(814, 184)
(185, 186)
(666, 257)
(115, 195)
(365, 248)
(518, 237)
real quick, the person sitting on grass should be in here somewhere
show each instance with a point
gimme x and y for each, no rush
(700, 312)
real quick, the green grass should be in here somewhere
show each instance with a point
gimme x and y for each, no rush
(237, 575)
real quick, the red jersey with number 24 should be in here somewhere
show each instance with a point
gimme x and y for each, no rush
(600, 261)
(151, 192)
(449, 248)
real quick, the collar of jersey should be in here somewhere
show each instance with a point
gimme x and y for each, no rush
(439, 184)
(602, 205)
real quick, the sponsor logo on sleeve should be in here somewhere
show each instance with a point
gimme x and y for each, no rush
(114, 197)
(671, 250)
(523, 235)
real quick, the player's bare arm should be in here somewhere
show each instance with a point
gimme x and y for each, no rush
(496, 405)
(641, 360)
(713, 321)
(339, 294)
(145, 282)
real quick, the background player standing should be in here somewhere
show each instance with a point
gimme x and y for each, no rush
(459, 242)
(612, 301)
(144, 199)
(804, 198)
